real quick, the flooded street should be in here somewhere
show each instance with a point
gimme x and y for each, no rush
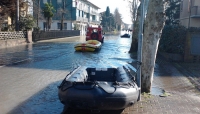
(30, 74)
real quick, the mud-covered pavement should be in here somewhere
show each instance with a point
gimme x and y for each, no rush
(30, 74)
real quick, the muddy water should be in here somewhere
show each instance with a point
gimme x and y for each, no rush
(30, 74)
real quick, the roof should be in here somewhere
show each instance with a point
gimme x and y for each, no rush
(92, 4)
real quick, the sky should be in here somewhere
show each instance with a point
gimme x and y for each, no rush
(122, 6)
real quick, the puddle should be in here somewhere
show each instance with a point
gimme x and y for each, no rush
(156, 91)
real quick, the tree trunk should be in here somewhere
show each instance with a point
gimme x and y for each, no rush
(62, 23)
(154, 23)
(49, 23)
(38, 13)
(134, 43)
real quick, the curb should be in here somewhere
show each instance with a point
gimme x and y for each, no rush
(188, 74)
(16, 62)
(46, 40)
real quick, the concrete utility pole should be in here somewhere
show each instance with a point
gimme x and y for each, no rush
(17, 17)
(140, 45)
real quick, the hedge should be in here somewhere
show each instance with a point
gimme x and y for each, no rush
(173, 39)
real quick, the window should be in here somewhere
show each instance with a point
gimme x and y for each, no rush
(44, 1)
(65, 25)
(93, 17)
(58, 25)
(44, 25)
(59, 1)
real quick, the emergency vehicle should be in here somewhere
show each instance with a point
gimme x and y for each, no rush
(95, 33)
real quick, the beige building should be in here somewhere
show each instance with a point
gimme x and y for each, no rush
(190, 13)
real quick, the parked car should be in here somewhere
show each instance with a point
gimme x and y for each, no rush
(125, 35)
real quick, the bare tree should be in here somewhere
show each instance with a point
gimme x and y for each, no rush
(133, 9)
(7, 9)
(118, 19)
(37, 14)
(62, 12)
(135, 15)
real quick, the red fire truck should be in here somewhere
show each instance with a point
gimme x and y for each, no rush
(95, 33)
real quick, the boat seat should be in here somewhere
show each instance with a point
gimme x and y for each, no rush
(101, 74)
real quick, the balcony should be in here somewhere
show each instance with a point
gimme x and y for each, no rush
(95, 22)
(195, 12)
(81, 19)
(94, 12)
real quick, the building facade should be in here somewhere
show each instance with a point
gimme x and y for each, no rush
(190, 13)
(25, 9)
(78, 14)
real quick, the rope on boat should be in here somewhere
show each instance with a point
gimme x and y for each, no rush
(133, 75)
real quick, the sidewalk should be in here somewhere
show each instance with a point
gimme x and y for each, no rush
(179, 95)
(192, 71)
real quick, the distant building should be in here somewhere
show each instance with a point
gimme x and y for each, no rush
(125, 26)
(78, 15)
(190, 13)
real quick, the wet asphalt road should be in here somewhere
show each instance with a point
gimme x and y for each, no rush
(30, 74)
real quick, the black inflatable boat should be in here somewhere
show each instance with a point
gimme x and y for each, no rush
(99, 88)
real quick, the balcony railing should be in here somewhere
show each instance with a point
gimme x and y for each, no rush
(94, 12)
(81, 19)
(96, 22)
(195, 12)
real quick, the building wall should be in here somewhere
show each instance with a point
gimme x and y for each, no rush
(54, 25)
(195, 22)
(196, 3)
(78, 13)
(185, 13)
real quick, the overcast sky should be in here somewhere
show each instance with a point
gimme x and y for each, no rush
(122, 6)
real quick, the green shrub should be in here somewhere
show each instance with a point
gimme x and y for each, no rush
(173, 39)
(26, 23)
(4, 29)
(194, 29)
(36, 29)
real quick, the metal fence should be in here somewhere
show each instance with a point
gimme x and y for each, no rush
(12, 35)
(45, 35)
